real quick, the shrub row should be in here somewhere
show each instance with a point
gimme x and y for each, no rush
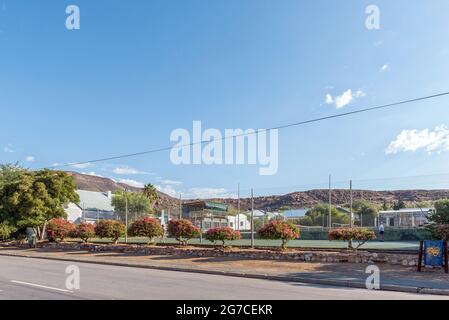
(183, 230)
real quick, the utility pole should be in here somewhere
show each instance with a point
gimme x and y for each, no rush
(350, 204)
(180, 206)
(126, 215)
(330, 203)
(351, 224)
(238, 207)
(252, 218)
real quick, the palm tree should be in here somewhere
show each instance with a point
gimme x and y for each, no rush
(151, 193)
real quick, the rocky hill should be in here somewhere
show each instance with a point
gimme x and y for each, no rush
(293, 200)
(101, 184)
(309, 198)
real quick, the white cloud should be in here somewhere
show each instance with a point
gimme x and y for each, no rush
(92, 173)
(206, 193)
(81, 165)
(196, 193)
(132, 183)
(8, 148)
(378, 43)
(171, 182)
(168, 190)
(30, 159)
(428, 140)
(344, 99)
(128, 170)
(384, 68)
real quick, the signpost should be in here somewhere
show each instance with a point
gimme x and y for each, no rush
(433, 253)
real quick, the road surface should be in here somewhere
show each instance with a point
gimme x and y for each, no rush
(29, 278)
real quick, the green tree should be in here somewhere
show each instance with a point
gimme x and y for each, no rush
(366, 211)
(319, 216)
(398, 205)
(441, 215)
(32, 198)
(138, 204)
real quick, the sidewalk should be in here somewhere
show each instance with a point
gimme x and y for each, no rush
(395, 278)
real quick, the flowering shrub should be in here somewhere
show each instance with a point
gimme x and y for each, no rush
(59, 228)
(222, 234)
(361, 235)
(84, 231)
(183, 230)
(110, 229)
(279, 230)
(147, 227)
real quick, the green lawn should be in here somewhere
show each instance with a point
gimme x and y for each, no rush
(396, 245)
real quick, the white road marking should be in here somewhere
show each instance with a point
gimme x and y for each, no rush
(40, 286)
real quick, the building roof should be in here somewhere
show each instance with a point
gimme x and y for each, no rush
(95, 201)
(206, 205)
(407, 211)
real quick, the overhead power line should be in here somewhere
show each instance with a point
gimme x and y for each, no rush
(384, 106)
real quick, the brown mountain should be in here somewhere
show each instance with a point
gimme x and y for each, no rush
(101, 184)
(297, 200)
(293, 200)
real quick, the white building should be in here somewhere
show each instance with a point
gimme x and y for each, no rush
(239, 222)
(407, 217)
(93, 206)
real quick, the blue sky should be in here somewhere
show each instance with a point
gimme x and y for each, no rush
(137, 70)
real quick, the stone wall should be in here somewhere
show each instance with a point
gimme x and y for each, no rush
(290, 255)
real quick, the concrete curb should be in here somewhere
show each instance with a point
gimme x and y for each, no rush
(308, 280)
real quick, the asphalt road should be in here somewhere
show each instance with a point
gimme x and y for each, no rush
(26, 278)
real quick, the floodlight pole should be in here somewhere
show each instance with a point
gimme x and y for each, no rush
(180, 206)
(350, 204)
(238, 208)
(330, 204)
(126, 215)
(252, 218)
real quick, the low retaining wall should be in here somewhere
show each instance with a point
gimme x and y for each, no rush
(290, 255)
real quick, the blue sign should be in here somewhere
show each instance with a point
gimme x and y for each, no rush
(433, 253)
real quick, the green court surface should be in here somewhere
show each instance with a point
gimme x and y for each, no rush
(387, 245)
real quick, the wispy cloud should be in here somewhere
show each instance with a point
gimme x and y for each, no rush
(128, 170)
(132, 183)
(168, 189)
(207, 193)
(8, 148)
(171, 182)
(378, 43)
(81, 165)
(30, 159)
(431, 141)
(344, 99)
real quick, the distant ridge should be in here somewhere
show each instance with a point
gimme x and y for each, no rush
(294, 200)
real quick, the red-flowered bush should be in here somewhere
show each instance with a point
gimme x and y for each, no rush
(84, 231)
(59, 228)
(222, 234)
(183, 230)
(361, 235)
(279, 230)
(110, 229)
(147, 227)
